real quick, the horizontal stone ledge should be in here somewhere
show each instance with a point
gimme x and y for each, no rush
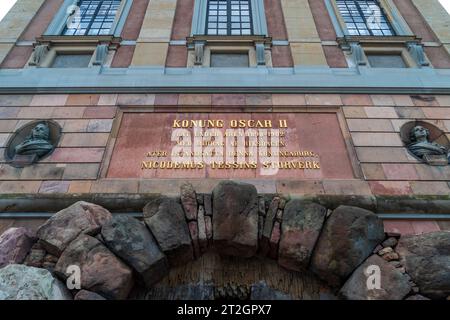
(232, 80)
(132, 203)
(138, 215)
(75, 89)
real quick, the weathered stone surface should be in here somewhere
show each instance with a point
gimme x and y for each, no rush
(166, 221)
(15, 243)
(88, 295)
(49, 262)
(235, 219)
(300, 230)
(260, 226)
(101, 271)
(208, 229)
(207, 199)
(279, 215)
(266, 232)
(261, 291)
(50, 258)
(179, 292)
(130, 240)
(202, 238)
(391, 256)
(232, 291)
(200, 199)
(348, 237)
(193, 231)
(426, 258)
(394, 285)
(81, 217)
(417, 297)
(389, 242)
(189, 201)
(394, 234)
(395, 264)
(282, 203)
(50, 266)
(261, 206)
(377, 248)
(401, 269)
(270, 217)
(19, 282)
(274, 241)
(36, 256)
(385, 250)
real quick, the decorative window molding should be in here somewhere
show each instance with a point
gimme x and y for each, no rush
(200, 43)
(59, 22)
(395, 18)
(408, 48)
(56, 40)
(257, 48)
(47, 48)
(400, 40)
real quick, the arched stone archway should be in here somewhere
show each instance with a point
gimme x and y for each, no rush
(197, 239)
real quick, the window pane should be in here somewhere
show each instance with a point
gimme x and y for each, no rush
(72, 61)
(365, 17)
(386, 61)
(95, 17)
(232, 13)
(229, 60)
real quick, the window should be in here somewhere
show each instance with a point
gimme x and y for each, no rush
(229, 33)
(386, 61)
(364, 18)
(94, 17)
(71, 61)
(229, 60)
(229, 17)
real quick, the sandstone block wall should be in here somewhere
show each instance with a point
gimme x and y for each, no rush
(15, 23)
(371, 126)
(155, 32)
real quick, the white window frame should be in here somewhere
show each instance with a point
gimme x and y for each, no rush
(258, 18)
(397, 22)
(58, 23)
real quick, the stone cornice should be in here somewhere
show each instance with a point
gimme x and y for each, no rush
(41, 204)
(78, 40)
(231, 80)
(384, 41)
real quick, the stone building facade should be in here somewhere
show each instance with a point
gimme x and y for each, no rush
(155, 64)
(352, 78)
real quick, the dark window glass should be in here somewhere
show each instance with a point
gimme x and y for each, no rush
(365, 18)
(386, 61)
(229, 17)
(229, 60)
(95, 17)
(72, 61)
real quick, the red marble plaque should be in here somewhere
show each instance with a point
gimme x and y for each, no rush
(310, 147)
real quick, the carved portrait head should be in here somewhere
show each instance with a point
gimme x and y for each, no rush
(32, 142)
(422, 147)
(40, 131)
(419, 133)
